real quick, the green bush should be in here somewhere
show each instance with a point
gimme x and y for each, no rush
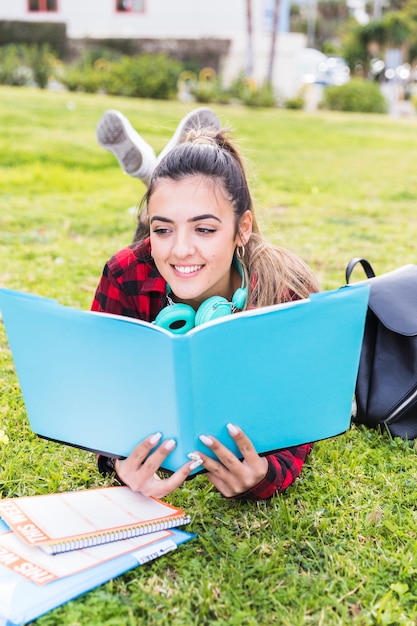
(25, 65)
(88, 74)
(249, 93)
(210, 91)
(41, 61)
(239, 86)
(358, 95)
(84, 79)
(13, 71)
(262, 96)
(145, 76)
(296, 103)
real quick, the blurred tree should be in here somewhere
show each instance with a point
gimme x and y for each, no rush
(271, 62)
(249, 31)
(395, 29)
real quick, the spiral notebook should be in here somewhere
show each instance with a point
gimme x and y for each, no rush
(66, 521)
(23, 598)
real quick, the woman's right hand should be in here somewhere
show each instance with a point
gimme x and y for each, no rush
(138, 471)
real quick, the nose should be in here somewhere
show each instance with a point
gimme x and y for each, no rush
(183, 246)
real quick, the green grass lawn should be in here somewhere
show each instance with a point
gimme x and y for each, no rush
(340, 547)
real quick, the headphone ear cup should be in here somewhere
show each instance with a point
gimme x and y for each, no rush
(211, 309)
(239, 298)
(178, 318)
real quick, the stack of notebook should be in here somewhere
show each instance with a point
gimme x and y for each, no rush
(56, 547)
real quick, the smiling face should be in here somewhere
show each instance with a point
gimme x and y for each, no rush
(193, 238)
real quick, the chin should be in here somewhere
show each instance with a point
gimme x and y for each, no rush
(192, 298)
(189, 298)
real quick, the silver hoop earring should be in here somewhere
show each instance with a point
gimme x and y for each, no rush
(240, 252)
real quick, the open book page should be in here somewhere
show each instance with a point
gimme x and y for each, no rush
(41, 568)
(85, 518)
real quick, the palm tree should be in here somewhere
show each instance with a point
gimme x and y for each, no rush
(270, 72)
(249, 50)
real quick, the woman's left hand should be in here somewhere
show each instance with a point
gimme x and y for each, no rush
(228, 474)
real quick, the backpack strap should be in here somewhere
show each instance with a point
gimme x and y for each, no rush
(367, 267)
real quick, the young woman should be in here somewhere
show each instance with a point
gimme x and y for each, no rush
(199, 236)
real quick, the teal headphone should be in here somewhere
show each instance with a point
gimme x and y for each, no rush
(180, 318)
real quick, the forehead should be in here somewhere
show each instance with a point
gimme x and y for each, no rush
(190, 193)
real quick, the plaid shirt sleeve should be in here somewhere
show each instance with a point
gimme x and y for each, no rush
(283, 469)
(131, 285)
(110, 296)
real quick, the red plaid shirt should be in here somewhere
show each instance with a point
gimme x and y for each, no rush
(132, 286)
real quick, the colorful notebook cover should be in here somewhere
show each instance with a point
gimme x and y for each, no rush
(84, 518)
(285, 374)
(22, 600)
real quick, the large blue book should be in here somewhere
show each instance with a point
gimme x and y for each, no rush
(23, 600)
(285, 374)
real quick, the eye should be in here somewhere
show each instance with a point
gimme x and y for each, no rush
(206, 230)
(161, 230)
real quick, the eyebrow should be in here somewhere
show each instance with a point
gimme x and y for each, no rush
(197, 218)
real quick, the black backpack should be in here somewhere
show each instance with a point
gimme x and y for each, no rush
(386, 387)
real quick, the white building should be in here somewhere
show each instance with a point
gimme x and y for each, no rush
(179, 19)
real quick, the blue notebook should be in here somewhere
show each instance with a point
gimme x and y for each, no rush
(285, 374)
(22, 601)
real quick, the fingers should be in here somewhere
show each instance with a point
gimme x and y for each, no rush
(159, 488)
(138, 471)
(228, 474)
(244, 444)
(139, 454)
(226, 456)
(154, 461)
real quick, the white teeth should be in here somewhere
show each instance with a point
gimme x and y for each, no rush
(187, 269)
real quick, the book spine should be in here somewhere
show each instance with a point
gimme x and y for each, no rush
(126, 533)
(185, 405)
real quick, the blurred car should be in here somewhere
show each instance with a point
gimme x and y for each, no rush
(314, 67)
(337, 71)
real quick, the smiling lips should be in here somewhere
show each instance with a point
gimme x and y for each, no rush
(187, 269)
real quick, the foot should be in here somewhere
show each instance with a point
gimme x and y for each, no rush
(196, 119)
(135, 156)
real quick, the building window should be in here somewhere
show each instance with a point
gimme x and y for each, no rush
(43, 5)
(130, 6)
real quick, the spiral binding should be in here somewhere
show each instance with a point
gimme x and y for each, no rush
(118, 535)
